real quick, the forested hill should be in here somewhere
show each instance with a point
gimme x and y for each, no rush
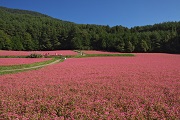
(26, 30)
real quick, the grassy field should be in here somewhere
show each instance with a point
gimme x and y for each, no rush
(25, 67)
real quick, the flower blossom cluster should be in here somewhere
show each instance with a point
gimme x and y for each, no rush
(142, 87)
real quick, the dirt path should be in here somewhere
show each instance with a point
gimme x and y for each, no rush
(30, 67)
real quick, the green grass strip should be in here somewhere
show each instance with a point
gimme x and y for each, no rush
(104, 55)
(25, 67)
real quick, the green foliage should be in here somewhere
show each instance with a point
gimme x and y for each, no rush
(5, 42)
(129, 47)
(143, 47)
(34, 55)
(26, 30)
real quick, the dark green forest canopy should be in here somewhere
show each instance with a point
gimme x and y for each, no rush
(27, 30)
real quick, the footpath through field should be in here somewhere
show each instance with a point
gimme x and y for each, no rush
(29, 68)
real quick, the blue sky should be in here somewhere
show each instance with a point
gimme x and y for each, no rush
(128, 13)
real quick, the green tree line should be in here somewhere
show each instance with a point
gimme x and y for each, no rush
(27, 30)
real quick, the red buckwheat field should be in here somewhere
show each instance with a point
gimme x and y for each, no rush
(146, 86)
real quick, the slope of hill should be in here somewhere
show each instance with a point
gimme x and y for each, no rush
(27, 30)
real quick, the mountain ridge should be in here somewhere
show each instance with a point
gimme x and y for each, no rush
(29, 30)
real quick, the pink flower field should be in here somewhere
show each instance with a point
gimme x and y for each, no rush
(26, 53)
(18, 61)
(146, 86)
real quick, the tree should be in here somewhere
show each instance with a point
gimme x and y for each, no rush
(155, 41)
(85, 40)
(129, 47)
(17, 44)
(45, 43)
(5, 42)
(27, 42)
(143, 46)
(55, 42)
(120, 46)
(95, 42)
